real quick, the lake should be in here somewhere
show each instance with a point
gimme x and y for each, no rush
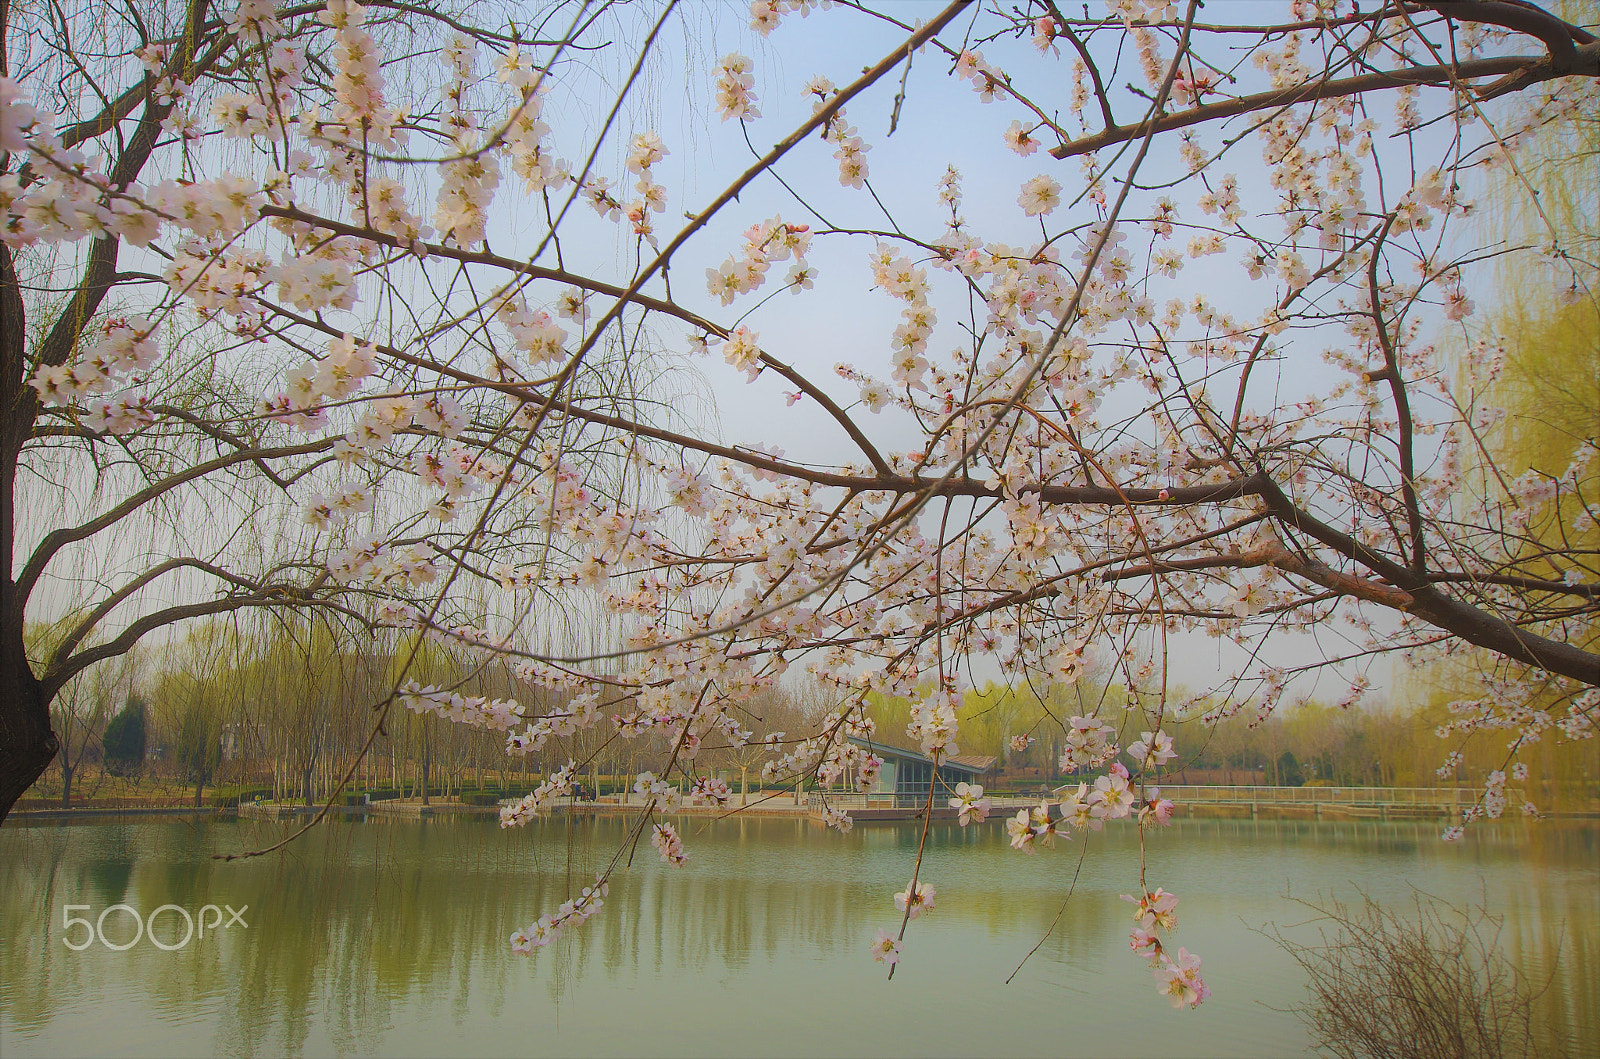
(384, 936)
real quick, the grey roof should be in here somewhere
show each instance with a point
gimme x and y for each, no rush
(973, 763)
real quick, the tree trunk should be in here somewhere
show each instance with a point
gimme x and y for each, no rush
(27, 742)
(427, 759)
(66, 782)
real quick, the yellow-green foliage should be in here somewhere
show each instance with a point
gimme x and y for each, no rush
(991, 715)
(1549, 390)
(1550, 385)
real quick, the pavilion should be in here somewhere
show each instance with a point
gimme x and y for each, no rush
(906, 771)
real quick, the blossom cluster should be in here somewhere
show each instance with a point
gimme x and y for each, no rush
(557, 785)
(850, 150)
(934, 726)
(771, 240)
(1089, 743)
(370, 560)
(664, 837)
(496, 715)
(735, 88)
(572, 913)
(1113, 796)
(1177, 975)
(127, 345)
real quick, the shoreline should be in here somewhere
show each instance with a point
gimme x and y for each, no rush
(418, 811)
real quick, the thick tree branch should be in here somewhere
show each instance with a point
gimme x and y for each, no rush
(83, 628)
(1526, 70)
(1470, 623)
(52, 681)
(58, 539)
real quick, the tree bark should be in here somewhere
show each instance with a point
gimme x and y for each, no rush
(27, 742)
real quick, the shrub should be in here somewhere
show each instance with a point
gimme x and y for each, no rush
(1435, 986)
(230, 797)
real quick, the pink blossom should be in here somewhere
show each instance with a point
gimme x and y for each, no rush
(1156, 808)
(1179, 979)
(970, 803)
(1155, 910)
(919, 901)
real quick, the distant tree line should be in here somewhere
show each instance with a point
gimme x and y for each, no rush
(1372, 742)
(287, 709)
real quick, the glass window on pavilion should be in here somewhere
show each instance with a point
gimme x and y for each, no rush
(905, 775)
(911, 777)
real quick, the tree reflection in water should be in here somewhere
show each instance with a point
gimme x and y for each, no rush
(386, 936)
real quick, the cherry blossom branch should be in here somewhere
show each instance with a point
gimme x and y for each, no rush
(623, 294)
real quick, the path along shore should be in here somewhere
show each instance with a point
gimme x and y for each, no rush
(1200, 803)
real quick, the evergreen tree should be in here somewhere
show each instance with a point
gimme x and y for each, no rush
(125, 737)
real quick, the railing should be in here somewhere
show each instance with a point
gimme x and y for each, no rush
(1438, 798)
(1378, 797)
(850, 801)
(632, 799)
(180, 801)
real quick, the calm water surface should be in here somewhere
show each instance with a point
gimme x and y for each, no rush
(388, 937)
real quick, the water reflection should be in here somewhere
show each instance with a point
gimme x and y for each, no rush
(385, 936)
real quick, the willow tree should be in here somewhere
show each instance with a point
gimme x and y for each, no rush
(1534, 357)
(352, 331)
